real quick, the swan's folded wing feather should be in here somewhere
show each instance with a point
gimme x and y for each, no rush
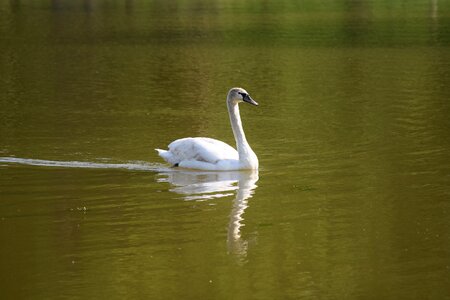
(202, 149)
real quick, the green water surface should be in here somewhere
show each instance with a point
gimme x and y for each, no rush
(352, 199)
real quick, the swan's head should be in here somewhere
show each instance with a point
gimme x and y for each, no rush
(238, 95)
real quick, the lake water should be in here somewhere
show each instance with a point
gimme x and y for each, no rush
(352, 199)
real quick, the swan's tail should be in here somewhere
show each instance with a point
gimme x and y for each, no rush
(160, 152)
(163, 153)
(167, 156)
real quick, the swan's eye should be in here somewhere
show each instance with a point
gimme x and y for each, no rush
(242, 94)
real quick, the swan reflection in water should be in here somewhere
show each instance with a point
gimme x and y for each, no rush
(201, 186)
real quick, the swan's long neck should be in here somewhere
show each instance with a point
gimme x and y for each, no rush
(242, 145)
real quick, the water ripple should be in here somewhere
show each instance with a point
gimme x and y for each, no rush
(133, 165)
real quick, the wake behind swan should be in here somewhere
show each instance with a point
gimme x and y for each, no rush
(133, 165)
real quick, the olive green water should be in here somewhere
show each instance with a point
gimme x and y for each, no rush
(352, 200)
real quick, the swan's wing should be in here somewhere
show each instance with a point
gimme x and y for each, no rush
(201, 149)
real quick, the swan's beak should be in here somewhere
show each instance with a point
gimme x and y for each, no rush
(249, 99)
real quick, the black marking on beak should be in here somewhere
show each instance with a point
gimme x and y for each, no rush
(248, 99)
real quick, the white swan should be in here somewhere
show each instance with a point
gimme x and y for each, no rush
(211, 154)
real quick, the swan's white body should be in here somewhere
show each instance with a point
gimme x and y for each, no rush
(210, 154)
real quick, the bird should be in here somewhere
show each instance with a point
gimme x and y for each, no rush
(202, 153)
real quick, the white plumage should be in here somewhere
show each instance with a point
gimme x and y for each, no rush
(211, 154)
